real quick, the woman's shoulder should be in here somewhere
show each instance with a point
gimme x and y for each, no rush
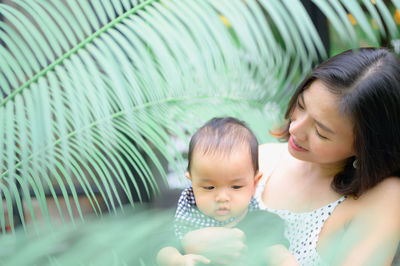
(383, 199)
(386, 192)
(269, 154)
(387, 188)
(271, 150)
(272, 145)
(390, 183)
(367, 223)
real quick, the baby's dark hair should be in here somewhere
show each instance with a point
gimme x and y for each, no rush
(220, 135)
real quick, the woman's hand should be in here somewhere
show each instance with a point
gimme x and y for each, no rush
(221, 245)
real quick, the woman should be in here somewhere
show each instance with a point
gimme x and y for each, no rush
(336, 182)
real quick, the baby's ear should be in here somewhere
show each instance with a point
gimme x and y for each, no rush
(258, 177)
(188, 176)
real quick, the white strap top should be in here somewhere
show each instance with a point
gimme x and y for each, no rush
(302, 229)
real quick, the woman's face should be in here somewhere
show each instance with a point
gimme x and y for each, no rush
(318, 132)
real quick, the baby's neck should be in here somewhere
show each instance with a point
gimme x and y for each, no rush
(237, 219)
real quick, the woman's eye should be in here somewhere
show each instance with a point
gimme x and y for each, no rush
(319, 135)
(209, 188)
(237, 187)
(299, 104)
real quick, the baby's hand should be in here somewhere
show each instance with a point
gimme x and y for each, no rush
(215, 242)
(170, 256)
(193, 259)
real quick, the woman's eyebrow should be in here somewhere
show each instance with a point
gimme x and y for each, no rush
(317, 122)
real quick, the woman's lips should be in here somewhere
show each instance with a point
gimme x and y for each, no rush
(294, 145)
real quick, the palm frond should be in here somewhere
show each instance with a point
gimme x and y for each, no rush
(93, 91)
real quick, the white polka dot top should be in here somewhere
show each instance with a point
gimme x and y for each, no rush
(302, 229)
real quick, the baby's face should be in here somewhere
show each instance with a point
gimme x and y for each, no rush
(223, 185)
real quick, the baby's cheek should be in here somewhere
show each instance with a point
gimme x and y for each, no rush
(204, 203)
(242, 202)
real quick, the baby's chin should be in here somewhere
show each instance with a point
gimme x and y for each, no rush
(222, 218)
(235, 217)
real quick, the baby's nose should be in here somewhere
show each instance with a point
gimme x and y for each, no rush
(222, 196)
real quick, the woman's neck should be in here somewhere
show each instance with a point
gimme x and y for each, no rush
(325, 171)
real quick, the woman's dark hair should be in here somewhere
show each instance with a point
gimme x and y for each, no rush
(220, 135)
(367, 82)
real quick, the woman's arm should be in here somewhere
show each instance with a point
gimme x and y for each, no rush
(373, 235)
(279, 255)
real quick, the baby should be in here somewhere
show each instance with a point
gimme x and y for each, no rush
(223, 169)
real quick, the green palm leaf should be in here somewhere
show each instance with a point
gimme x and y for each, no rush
(81, 104)
(92, 90)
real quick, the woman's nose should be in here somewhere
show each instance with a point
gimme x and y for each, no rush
(299, 127)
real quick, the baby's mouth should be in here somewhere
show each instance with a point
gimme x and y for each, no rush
(222, 211)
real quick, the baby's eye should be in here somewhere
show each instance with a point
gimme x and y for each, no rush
(237, 187)
(209, 188)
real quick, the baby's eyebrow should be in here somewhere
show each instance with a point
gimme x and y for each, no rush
(205, 180)
(238, 179)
